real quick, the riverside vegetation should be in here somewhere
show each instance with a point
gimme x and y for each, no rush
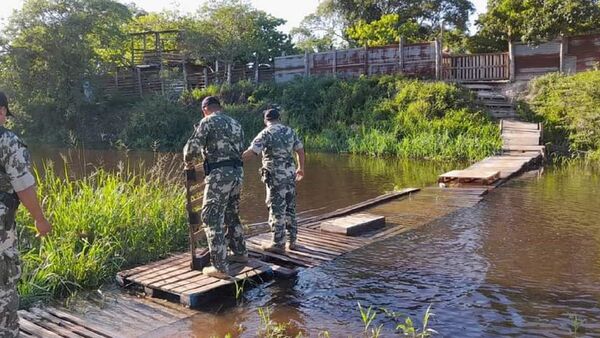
(103, 222)
(381, 116)
(569, 107)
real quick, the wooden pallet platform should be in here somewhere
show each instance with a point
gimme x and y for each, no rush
(173, 279)
(479, 176)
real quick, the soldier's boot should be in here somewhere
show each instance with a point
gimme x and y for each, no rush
(274, 248)
(293, 245)
(238, 258)
(211, 271)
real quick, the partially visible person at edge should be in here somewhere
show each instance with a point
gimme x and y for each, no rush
(219, 139)
(278, 143)
(16, 184)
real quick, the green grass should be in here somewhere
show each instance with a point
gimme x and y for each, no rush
(569, 107)
(102, 223)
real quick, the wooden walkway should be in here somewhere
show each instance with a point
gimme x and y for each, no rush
(172, 279)
(521, 149)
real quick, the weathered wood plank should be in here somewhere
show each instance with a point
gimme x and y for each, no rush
(354, 224)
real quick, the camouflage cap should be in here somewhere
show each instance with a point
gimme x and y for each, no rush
(271, 114)
(4, 103)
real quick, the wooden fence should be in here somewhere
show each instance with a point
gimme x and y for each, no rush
(419, 59)
(424, 60)
(147, 79)
(476, 67)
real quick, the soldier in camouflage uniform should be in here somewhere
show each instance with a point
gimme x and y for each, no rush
(278, 143)
(16, 183)
(219, 139)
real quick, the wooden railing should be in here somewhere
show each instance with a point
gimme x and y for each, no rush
(476, 67)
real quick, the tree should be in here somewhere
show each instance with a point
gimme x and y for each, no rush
(427, 13)
(234, 31)
(384, 31)
(320, 31)
(52, 47)
(534, 21)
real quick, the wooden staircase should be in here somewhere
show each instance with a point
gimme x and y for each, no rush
(497, 105)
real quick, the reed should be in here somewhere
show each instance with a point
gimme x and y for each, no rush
(103, 222)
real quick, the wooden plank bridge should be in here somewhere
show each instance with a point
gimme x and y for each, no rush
(172, 278)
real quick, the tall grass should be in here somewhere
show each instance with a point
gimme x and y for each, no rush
(569, 107)
(102, 223)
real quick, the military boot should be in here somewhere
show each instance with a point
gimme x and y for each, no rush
(238, 258)
(211, 271)
(274, 248)
(293, 246)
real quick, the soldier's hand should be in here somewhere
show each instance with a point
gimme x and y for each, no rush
(43, 227)
(189, 165)
(299, 175)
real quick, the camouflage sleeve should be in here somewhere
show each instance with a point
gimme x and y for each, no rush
(193, 147)
(297, 143)
(17, 161)
(259, 142)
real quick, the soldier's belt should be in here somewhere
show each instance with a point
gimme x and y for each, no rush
(208, 167)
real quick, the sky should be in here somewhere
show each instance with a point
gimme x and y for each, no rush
(293, 11)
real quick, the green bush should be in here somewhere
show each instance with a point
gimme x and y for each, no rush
(160, 124)
(569, 107)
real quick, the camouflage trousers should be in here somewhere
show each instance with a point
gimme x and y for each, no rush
(281, 201)
(10, 272)
(221, 220)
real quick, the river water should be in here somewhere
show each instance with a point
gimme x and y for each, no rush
(525, 261)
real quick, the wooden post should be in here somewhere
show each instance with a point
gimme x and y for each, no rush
(306, 64)
(367, 67)
(511, 61)
(438, 59)
(205, 71)
(257, 66)
(229, 73)
(401, 55)
(217, 80)
(117, 78)
(334, 62)
(184, 71)
(139, 78)
(563, 54)
(132, 52)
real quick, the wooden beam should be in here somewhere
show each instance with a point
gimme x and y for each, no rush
(511, 61)
(401, 55)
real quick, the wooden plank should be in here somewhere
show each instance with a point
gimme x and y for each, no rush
(354, 224)
(186, 276)
(139, 269)
(66, 316)
(73, 327)
(48, 325)
(35, 330)
(168, 271)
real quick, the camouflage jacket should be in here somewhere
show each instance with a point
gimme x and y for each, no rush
(216, 138)
(15, 175)
(277, 142)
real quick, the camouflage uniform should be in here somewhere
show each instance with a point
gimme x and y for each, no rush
(277, 143)
(218, 138)
(15, 175)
